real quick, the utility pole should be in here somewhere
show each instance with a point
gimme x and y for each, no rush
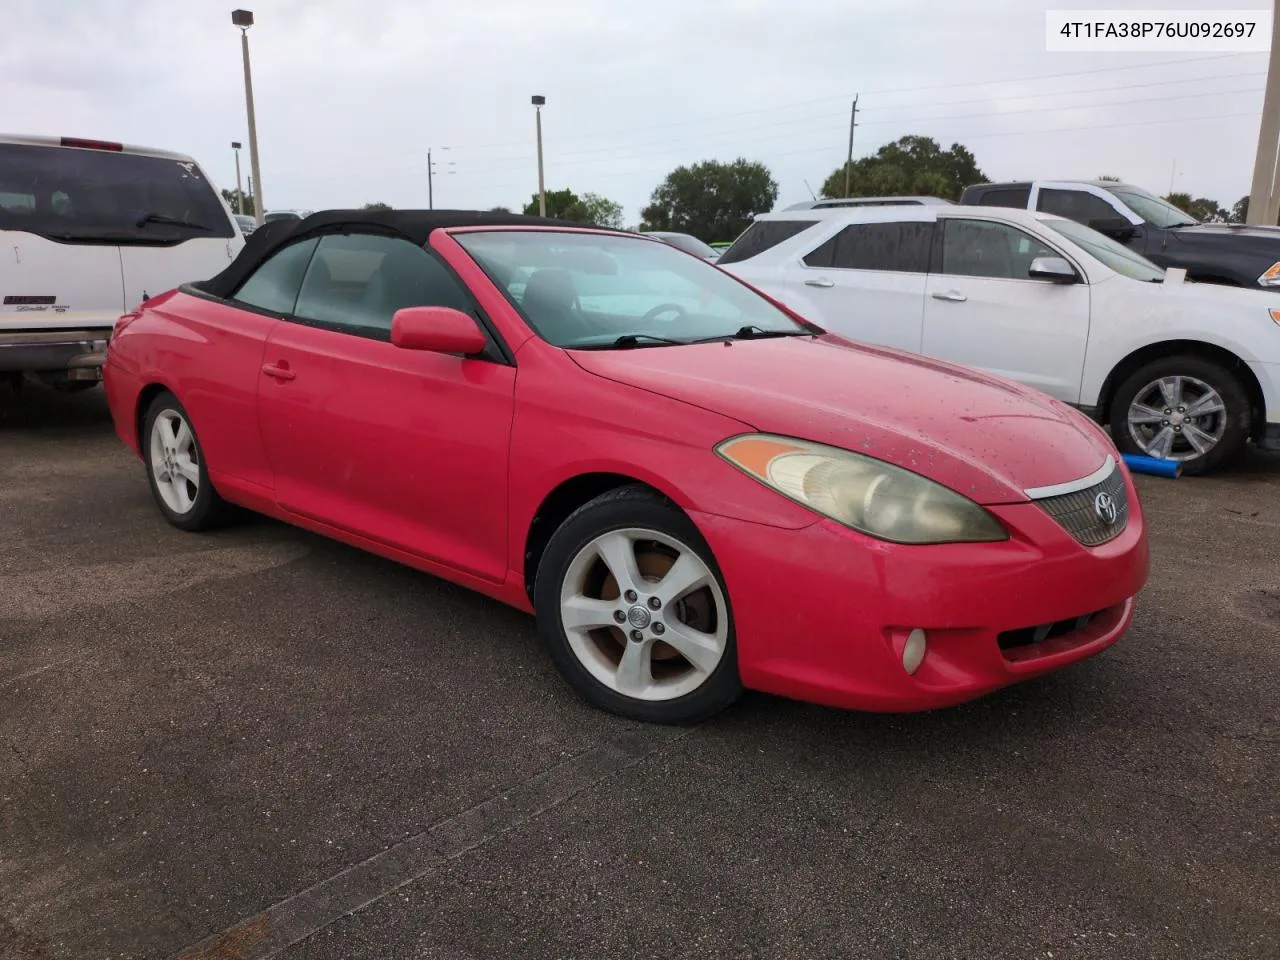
(431, 172)
(1263, 190)
(853, 122)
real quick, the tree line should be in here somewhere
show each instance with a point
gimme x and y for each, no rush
(716, 200)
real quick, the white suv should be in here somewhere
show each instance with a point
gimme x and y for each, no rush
(1179, 370)
(88, 230)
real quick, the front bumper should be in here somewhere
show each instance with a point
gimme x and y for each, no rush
(1268, 375)
(821, 614)
(78, 354)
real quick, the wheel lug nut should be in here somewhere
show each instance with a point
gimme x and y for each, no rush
(1164, 423)
(1167, 411)
(654, 603)
(659, 629)
(631, 596)
(1177, 429)
(637, 636)
(619, 616)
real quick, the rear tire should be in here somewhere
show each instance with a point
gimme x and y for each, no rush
(649, 632)
(1185, 408)
(176, 468)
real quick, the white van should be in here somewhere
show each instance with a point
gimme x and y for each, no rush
(88, 230)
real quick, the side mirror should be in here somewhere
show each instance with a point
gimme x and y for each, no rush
(438, 330)
(1117, 228)
(1053, 269)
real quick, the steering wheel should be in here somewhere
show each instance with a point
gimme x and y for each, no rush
(662, 308)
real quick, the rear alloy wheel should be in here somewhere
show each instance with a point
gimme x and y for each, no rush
(1186, 409)
(176, 468)
(633, 612)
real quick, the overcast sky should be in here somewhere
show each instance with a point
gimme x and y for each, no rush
(351, 93)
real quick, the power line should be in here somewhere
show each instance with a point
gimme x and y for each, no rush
(568, 159)
(845, 98)
(616, 173)
(719, 139)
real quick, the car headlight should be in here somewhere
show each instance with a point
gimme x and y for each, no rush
(1271, 276)
(869, 495)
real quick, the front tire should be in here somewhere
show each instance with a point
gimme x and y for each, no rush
(633, 610)
(1184, 408)
(176, 469)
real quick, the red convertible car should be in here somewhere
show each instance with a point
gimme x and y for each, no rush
(693, 489)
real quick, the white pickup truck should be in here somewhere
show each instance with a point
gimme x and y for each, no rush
(88, 230)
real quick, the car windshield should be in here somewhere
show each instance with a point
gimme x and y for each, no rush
(1117, 256)
(594, 290)
(1157, 212)
(690, 244)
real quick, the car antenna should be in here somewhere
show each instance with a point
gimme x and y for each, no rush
(812, 195)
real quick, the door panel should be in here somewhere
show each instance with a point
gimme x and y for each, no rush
(979, 312)
(868, 281)
(401, 446)
(873, 306)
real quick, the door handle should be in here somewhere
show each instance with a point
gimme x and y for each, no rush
(278, 371)
(955, 296)
(820, 282)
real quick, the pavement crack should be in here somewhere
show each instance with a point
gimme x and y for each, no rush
(305, 913)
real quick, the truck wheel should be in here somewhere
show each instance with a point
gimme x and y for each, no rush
(1184, 408)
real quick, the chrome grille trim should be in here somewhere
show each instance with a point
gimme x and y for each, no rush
(1076, 513)
(1071, 486)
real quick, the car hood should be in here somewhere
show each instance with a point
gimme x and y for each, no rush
(1255, 239)
(979, 435)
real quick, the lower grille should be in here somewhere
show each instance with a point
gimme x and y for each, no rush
(1026, 636)
(1095, 514)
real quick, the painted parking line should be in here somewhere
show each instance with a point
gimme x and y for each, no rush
(294, 919)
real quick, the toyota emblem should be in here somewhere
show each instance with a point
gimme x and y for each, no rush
(1104, 505)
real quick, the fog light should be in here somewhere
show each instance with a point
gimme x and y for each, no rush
(913, 650)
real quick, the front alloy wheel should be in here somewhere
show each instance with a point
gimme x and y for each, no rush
(643, 614)
(633, 611)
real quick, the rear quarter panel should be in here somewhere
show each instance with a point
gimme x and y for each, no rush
(209, 355)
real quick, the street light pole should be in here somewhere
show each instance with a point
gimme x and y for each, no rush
(538, 102)
(244, 20)
(235, 145)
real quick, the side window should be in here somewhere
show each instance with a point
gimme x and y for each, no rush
(356, 283)
(983, 248)
(274, 285)
(760, 236)
(1075, 205)
(901, 247)
(1011, 197)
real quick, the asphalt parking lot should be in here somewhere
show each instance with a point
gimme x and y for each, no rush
(261, 743)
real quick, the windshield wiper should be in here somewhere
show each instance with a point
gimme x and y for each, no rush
(754, 332)
(171, 221)
(626, 340)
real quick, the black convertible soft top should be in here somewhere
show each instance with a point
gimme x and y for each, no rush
(414, 225)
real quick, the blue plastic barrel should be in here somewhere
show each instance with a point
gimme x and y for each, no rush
(1152, 465)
